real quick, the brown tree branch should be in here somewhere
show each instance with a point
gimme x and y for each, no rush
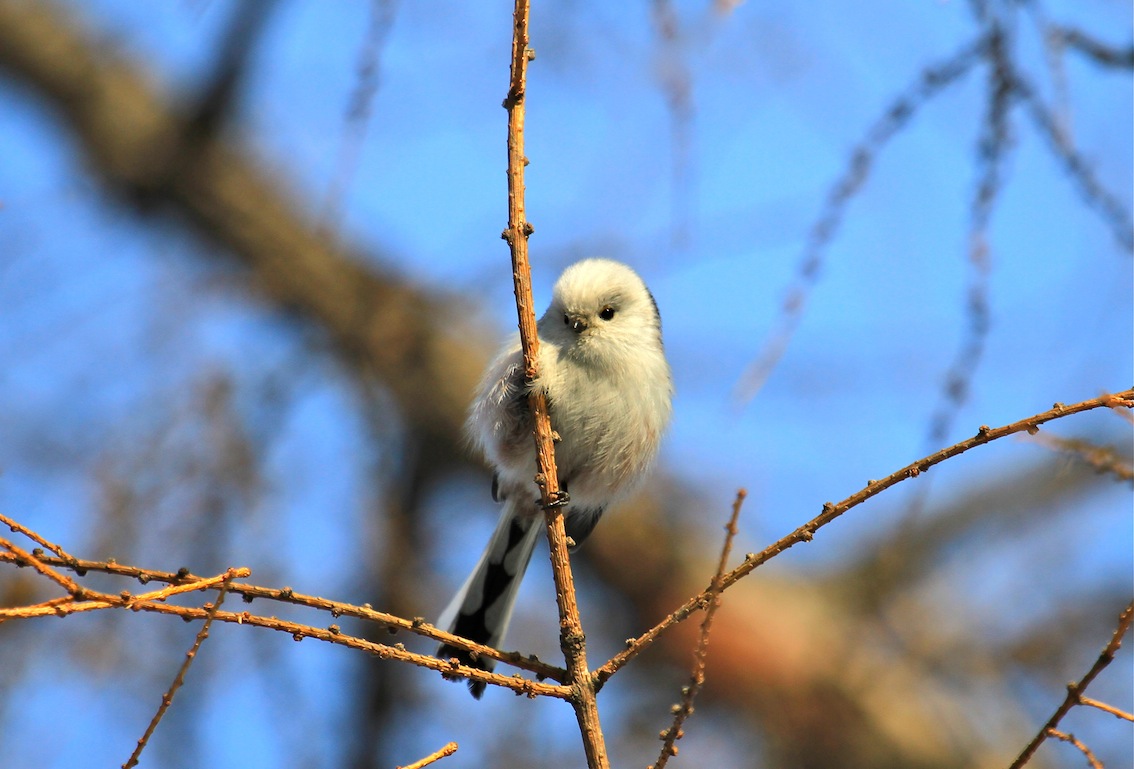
(806, 532)
(448, 750)
(1116, 712)
(179, 679)
(1071, 738)
(1075, 690)
(572, 639)
(285, 594)
(684, 709)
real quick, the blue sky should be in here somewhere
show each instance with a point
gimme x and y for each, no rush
(780, 96)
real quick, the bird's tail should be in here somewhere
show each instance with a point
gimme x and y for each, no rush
(482, 608)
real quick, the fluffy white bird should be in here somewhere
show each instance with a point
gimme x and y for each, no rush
(609, 391)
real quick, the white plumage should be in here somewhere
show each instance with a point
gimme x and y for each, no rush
(608, 385)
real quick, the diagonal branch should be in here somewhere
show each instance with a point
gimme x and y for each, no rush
(179, 679)
(447, 750)
(701, 653)
(1075, 690)
(806, 532)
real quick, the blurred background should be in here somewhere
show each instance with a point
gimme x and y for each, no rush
(250, 270)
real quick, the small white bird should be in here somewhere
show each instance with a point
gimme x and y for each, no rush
(609, 391)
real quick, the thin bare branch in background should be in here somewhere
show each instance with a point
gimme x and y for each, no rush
(1114, 213)
(928, 84)
(676, 81)
(179, 679)
(1075, 690)
(356, 122)
(689, 692)
(447, 750)
(994, 143)
(1100, 53)
(1103, 459)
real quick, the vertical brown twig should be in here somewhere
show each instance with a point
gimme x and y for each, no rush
(571, 635)
(701, 653)
(179, 679)
(1075, 690)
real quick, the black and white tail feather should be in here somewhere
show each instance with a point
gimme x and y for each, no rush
(482, 609)
(603, 369)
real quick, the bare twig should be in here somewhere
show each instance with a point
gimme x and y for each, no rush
(1071, 738)
(1102, 458)
(179, 679)
(676, 80)
(995, 141)
(1095, 50)
(1091, 190)
(1075, 690)
(931, 81)
(1106, 708)
(448, 750)
(357, 119)
(571, 635)
(35, 537)
(684, 709)
(330, 634)
(806, 532)
(287, 595)
(26, 558)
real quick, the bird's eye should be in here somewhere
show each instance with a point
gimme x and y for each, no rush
(566, 320)
(606, 313)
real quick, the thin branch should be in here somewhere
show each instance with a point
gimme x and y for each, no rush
(1092, 191)
(35, 537)
(382, 326)
(676, 80)
(1098, 52)
(81, 599)
(448, 750)
(806, 532)
(333, 634)
(68, 584)
(1107, 708)
(357, 118)
(994, 143)
(1102, 458)
(287, 595)
(1075, 690)
(1071, 738)
(571, 638)
(683, 710)
(931, 81)
(179, 679)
